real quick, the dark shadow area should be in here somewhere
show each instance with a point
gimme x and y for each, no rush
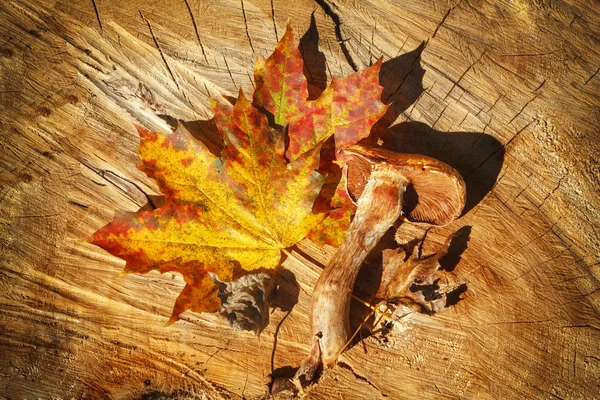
(333, 175)
(409, 247)
(286, 290)
(315, 67)
(203, 130)
(429, 292)
(453, 297)
(421, 244)
(280, 382)
(477, 156)
(369, 276)
(154, 202)
(457, 246)
(402, 81)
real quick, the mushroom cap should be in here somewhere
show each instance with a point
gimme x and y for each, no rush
(435, 194)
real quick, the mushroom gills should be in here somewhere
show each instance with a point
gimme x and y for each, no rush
(436, 192)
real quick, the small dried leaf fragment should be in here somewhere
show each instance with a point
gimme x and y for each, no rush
(244, 301)
(413, 281)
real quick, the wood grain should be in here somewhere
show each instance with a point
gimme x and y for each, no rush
(507, 92)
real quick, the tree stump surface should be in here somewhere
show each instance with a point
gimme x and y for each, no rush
(508, 92)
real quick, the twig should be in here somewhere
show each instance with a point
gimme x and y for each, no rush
(340, 351)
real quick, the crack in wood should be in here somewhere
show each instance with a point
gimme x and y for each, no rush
(465, 73)
(371, 44)
(539, 264)
(97, 15)
(102, 173)
(162, 55)
(550, 229)
(438, 71)
(523, 108)
(92, 66)
(591, 77)
(247, 32)
(229, 70)
(276, 339)
(408, 113)
(76, 203)
(510, 71)
(335, 18)
(439, 25)
(541, 321)
(35, 216)
(251, 79)
(436, 121)
(520, 193)
(540, 86)
(273, 19)
(551, 192)
(160, 50)
(527, 54)
(196, 30)
(349, 367)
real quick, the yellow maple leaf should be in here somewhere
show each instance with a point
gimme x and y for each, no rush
(224, 215)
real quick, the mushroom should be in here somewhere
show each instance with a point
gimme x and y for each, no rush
(387, 185)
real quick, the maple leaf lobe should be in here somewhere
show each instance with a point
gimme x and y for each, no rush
(279, 81)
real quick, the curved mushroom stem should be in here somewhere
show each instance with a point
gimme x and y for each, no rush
(379, 206)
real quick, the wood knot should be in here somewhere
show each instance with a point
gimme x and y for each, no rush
(44, 111)
(6, 53)
(72, 99)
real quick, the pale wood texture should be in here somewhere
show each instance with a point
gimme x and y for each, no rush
(506, 91)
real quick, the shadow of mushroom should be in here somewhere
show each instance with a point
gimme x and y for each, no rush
(477, 156)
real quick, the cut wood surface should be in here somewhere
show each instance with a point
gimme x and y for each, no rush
(507, 92)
